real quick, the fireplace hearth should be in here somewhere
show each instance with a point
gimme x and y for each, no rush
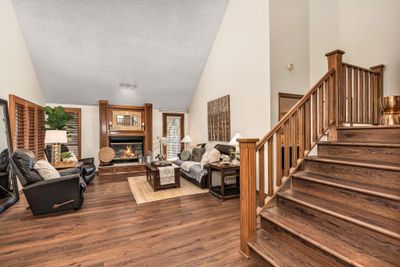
(127, 148)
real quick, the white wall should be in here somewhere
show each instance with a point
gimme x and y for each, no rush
(17, 75)
(289, 43)
(238, 65)
(367, 30)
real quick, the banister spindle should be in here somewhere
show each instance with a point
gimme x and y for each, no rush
(248, 205)
(279, 156)
(261, 172)
(270, 167)
(379, 91)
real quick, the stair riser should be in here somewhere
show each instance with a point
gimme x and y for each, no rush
(386, 136)
(379, 245)
(317, 254)
(370, 176)
(375, 204)
(368, 153)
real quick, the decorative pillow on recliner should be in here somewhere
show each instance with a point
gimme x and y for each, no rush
(25, 159)
(197, 154)
(46, 170)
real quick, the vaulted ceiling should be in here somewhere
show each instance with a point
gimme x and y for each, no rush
(82, 50)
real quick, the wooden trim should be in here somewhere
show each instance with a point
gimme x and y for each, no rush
(79, 112)
(148, 118)
(164, 126)
(103, 120)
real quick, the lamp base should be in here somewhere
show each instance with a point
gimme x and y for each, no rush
(55, 153)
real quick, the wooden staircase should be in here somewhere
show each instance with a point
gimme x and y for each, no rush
(342, 207)
(327, 203)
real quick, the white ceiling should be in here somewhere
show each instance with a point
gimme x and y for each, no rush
(82, 50)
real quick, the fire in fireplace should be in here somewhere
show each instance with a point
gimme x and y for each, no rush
(127, 148)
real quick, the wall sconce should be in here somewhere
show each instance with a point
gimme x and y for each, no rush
(290, 66)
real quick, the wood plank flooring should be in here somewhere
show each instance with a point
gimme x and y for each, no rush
(112, 230)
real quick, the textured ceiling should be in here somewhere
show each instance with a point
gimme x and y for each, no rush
(83, 50)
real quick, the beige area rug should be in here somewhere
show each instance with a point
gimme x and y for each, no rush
(143, 192)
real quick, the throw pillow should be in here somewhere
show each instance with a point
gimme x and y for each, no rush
(205, 159)
(25, 160)
(214, 155)
(185, 155)
(197, 153)
(46, 170)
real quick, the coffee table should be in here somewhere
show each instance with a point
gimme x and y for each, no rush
(153, 177)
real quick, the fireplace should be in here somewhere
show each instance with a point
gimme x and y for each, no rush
(127, 148)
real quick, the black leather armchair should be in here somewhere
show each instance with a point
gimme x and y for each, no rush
(88, 168)
(47, 196)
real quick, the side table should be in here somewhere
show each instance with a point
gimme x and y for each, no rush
(224, 191)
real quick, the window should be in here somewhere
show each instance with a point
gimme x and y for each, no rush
(173, 130)
(74, 131)
(27, 125)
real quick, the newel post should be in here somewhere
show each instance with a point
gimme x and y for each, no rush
(248, 205)
(337, 97)
(378, 94)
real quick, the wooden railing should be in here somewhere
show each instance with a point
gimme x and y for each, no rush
(337, 98)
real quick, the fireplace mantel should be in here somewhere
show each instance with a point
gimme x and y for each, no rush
(106, 123)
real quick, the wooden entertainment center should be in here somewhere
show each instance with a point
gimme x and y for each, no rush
(119, 123)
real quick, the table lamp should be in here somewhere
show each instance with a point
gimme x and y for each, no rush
(55, 138)
(186, 140)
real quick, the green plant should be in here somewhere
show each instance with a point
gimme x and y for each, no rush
(57, 118)
(66, 155)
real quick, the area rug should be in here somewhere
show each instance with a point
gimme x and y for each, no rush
(143, 192)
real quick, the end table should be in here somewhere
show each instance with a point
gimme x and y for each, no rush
(225, 191)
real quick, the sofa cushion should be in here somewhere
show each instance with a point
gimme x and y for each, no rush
(197, 154)
(185, 155)
(225, 149)
(214, 156)
(46, 170)
(4, 160)
(25, 160)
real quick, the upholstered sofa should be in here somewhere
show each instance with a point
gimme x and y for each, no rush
(197, 174)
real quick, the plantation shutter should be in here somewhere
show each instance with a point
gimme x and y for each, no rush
(27, 125)
(173, 131)
(74, 131)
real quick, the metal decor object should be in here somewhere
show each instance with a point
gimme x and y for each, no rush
(391, 110)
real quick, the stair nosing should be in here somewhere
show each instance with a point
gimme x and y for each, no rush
(368, 127)
(347, 187)
(349, 162)
(341, 216)
(262, 255)
(314, 242)
(343, 143)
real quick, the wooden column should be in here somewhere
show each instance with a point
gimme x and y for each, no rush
(103, 113)
(248, 205)
(148, 110)
(378, 94)
(338, 99)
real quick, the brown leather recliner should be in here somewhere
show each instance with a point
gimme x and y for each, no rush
(47, 196)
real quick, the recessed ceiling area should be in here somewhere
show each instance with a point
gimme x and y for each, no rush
(82, 51)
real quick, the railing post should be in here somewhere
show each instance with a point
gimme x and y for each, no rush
(248, 205)
(378, 95)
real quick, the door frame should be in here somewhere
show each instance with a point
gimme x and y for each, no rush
(164, 126)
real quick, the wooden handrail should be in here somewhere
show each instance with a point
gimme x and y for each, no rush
(293, 110)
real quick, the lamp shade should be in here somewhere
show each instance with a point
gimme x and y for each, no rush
(56, 137)
(186, 139)
(234, 141)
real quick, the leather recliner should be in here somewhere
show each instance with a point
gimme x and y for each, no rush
(88, 168)
(47, 196)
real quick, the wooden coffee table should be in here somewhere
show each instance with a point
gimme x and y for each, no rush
(153, 177)
(67, 165)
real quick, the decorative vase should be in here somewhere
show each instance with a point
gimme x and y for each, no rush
(391, 110)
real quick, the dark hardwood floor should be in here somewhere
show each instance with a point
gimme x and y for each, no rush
(111, 229)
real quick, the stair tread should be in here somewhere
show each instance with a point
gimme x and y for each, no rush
(281, 253)
(385, 192)
(312, 233)
(357, 162)
(380, 223)
(362, 127)
(344, 143)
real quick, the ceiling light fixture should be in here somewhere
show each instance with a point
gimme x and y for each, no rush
(127, 86)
